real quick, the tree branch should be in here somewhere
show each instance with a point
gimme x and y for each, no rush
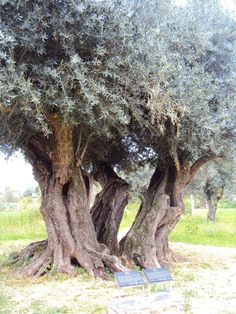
(200, 162)
(80, 155)
(104, 173)
(176, 162)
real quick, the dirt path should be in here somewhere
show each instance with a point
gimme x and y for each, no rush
(207, 283)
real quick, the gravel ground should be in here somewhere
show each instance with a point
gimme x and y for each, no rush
(212, 289)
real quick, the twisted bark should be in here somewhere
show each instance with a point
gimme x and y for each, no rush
(109, 206)
(65, 210)
(147, 241)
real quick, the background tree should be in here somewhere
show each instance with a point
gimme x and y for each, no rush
(10, 195)
(213, 182)
(214, 190)
(28, 192)
(195, 76)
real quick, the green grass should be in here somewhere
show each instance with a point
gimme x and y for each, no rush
(129, 215)
(24, 224)
(225, 204)
(197, 230)
(28, 224)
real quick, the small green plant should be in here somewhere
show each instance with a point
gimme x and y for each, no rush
(136, 267)
(188, 295)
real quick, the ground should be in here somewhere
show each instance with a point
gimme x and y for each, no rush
(207, 282)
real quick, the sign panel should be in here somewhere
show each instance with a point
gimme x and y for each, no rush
(129, 278)
(154, 275)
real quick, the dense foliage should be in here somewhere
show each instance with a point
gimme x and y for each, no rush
(194, 55)
(98, 63)
(78, 60)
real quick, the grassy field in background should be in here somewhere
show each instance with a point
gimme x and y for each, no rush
(196, 229)
(28, 224)
(20, 225)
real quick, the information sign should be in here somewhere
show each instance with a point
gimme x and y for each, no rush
(154, 275)
(129, 278)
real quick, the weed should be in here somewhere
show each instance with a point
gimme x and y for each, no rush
(188, 295)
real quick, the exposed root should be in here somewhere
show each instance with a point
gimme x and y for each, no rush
(36, 267)
(171, 257)
(128, 262)
(31, 252)
(37, 259)
(68, 269)
(111, 261)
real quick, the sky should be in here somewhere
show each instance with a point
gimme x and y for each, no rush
(227, 4)
(17, 174)
(230, 5)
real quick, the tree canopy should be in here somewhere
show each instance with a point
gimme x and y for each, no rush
(194, 55)
(195, 76)
(74, 60)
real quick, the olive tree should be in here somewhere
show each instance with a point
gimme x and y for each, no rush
(70, 80)
(213, 182)
(194, 55)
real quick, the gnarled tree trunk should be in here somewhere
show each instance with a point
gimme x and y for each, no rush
(109, 206)
(147, 241)
(65, 209)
